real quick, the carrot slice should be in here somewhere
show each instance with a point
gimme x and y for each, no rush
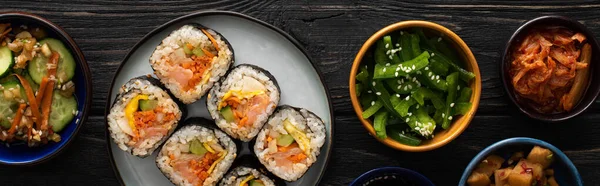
(35, 109)
(43, 86)
(207, 53)
(46, 103)
(16, 120)
(5, 32)
(212, 40)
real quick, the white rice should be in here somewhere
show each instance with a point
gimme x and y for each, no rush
(179, 144)
(162, 64)
(127, 92)
(303, 120)
(245, 133)
(239, 174)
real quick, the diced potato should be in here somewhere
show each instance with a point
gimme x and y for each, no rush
(537, 171)
(478, 179)
(501, 176)
(489, 165)
(516, 157)
(540, 155)
(552, 182)
(521, 175)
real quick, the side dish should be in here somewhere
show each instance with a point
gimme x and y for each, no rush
(412, 85)
(533, 170)
(550, 69)
(36, 90)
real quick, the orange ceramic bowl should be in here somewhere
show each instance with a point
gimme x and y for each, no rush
(459, 124)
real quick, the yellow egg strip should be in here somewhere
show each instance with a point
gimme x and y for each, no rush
(299, 136)
(246, 180)
(132, 107)
(208, 148)
(212, 167)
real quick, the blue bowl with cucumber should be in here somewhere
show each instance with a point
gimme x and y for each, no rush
(45, 89)
(415, 85)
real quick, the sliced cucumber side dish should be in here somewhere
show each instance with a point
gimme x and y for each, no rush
(62, 111)
(66, 63)
(7, 61)
(9, 105)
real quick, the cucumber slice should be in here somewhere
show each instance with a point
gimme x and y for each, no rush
(197, 148)
(66, 63)
(7, 60)
(62, 111)
(285, 140)
(198, 51)
(227, 113)
(149, 104)
(187, 50)
(255, 183)
(8, 107)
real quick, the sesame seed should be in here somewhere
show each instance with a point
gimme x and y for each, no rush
(426, 68)
(443, 115)
(449, 117)
(410, 114)
(378, 93)
(388, 52)
(405, 88)
(419, 72)
(401, 33)
(400, 49)
(437, 77)
(414, 79)
(399, 87)
(397, 69)
(368, 91)
(384, 69)
(458, 87)
(430, 73)
(417, 128)
(439, 39)
(396, 74)
(390, 56)
(438, 81)
(399, 82)
(407, 120)
(413, 67)
(372, 103)
(451, 104)
(407, 98)
(418, 106)
(432, 54)
(374, 83)
(409, 87)
(397, 95)
(402, 80)
(387, 45)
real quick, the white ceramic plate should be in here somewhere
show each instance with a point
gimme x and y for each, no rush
(254, 42)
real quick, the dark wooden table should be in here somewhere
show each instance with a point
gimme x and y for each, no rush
(332, 32)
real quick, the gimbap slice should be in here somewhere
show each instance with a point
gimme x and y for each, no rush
(246, 176)
(196, 154)
(242, 101)
(290, 142)
(190, 60)
(143, 116)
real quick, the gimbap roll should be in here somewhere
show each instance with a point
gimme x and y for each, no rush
(143, 116)
(246, 176)
(290, 142)
(190, 60)
(242, 101)
(196, 154)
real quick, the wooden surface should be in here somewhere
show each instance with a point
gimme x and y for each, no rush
(332, 32)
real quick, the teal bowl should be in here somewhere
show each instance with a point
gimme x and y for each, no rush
(565, 172)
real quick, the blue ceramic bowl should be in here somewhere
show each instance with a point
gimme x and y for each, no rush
(403, 174)
(20, 153)
(564, 171)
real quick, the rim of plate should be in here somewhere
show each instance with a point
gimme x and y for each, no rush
(210, 13)
(87, 74)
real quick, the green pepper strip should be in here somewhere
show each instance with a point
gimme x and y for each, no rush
(426, 125)
(379, 124)
(375, 106)
(363, 76)
(401, 85)
(465, 94)
(414, 41)
(366, 99)
(423, 94)
(402, 69)
(359, 88)
(465, 75)
(438, 67)
(380, 53)
(403, 105)
(461, 108)
(387, 40)
(406, 44)
(403, 138)
(384, 96)
(452, 80)
(432, 80)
